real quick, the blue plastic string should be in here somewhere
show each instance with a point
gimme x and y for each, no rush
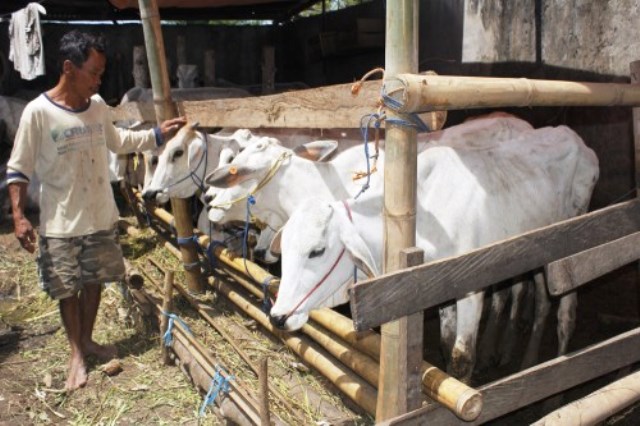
(168, 337)
(219, 383)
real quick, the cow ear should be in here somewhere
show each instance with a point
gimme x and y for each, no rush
(274, 247)
(316, 150)
(358, 249)
(230, 175)
(196, 153)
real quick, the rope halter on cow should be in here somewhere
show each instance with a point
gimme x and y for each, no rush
(192, 174)
(324, 278)
(261, 184)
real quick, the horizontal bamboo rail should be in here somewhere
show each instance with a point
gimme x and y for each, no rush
(418, 93)
(464, 401)
(598, 406)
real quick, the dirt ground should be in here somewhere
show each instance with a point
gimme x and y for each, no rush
(33, 355)
(34, 351)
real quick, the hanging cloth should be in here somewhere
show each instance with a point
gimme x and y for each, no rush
(25, 41)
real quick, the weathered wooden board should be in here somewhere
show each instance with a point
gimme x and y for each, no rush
(571, 272)
(323, 107)
(134, 111)
(536, 383)
(401, 293)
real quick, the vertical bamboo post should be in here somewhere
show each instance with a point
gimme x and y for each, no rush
(264, 392)
(268, 70)
(140, 68)
(166, 109)
(401, 56)
(209, 67)
(635, 79)
(167, 307)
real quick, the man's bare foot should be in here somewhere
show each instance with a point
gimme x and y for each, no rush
(77, 374)
(104, 353)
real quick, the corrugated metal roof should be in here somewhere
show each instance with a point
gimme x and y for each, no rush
(91, 10)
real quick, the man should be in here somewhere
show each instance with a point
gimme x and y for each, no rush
(63, 138)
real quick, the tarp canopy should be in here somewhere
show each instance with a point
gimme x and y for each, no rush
(200, 10)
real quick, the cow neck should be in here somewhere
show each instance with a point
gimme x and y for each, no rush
(329, 272)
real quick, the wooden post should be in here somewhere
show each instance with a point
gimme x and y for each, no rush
(209, 67)
(181, 50)
(268, 70)
(410, 345)
(140, 67)
(399, 207)
(167, 307)
(166, 109)
(635, 79)
(264, 392)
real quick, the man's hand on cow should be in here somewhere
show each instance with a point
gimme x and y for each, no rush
(169, 127)
(25, 234)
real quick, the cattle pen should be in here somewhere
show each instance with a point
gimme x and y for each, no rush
(383, 380)
(603, 238)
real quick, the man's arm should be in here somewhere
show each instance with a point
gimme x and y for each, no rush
(22, 226)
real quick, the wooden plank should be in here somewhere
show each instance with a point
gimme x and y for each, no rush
(135, 111)
(534, 384)
(401, 293)
(571, 272)
(323, 107)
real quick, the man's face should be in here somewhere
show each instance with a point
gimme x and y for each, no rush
(87, 78)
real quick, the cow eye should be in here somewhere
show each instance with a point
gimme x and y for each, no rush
(177, 154)
(316, 253)
(154, 160)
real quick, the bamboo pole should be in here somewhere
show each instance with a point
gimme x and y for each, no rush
(399, 215)
(464, 401)
(598, 406)
(351, 385)
(203, 310)
(264, 392)
(419, 93)
(167, 308)
(166, 109)
(191, 352)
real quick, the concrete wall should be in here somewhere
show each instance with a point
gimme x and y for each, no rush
(581, 40)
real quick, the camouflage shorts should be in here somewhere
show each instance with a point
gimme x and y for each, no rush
(67, 264)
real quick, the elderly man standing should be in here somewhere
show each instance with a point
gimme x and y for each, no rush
(63, 138)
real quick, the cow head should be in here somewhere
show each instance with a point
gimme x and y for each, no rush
(187, 156)
(319, 247)
(231, 184)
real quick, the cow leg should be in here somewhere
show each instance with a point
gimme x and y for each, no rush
(487, 353)
(510, 337)
(463, 356)
(566, 321)
(448, 332)
(542, 307)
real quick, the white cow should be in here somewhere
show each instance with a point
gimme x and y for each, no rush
(470, 193)
(296, 177)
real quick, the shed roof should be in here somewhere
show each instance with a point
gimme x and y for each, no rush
(92, 10)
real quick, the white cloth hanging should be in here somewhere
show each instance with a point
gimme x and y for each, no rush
(25, 41)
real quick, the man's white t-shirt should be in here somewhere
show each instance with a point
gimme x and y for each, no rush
(67, 150)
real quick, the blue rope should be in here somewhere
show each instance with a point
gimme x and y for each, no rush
(266, 301)
(412, 120)
(213, 261)
(219, 383)
(183, 241)
(250, 201)
(168, 337)
(365, 123)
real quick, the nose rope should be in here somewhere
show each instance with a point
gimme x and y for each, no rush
(324, 278)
